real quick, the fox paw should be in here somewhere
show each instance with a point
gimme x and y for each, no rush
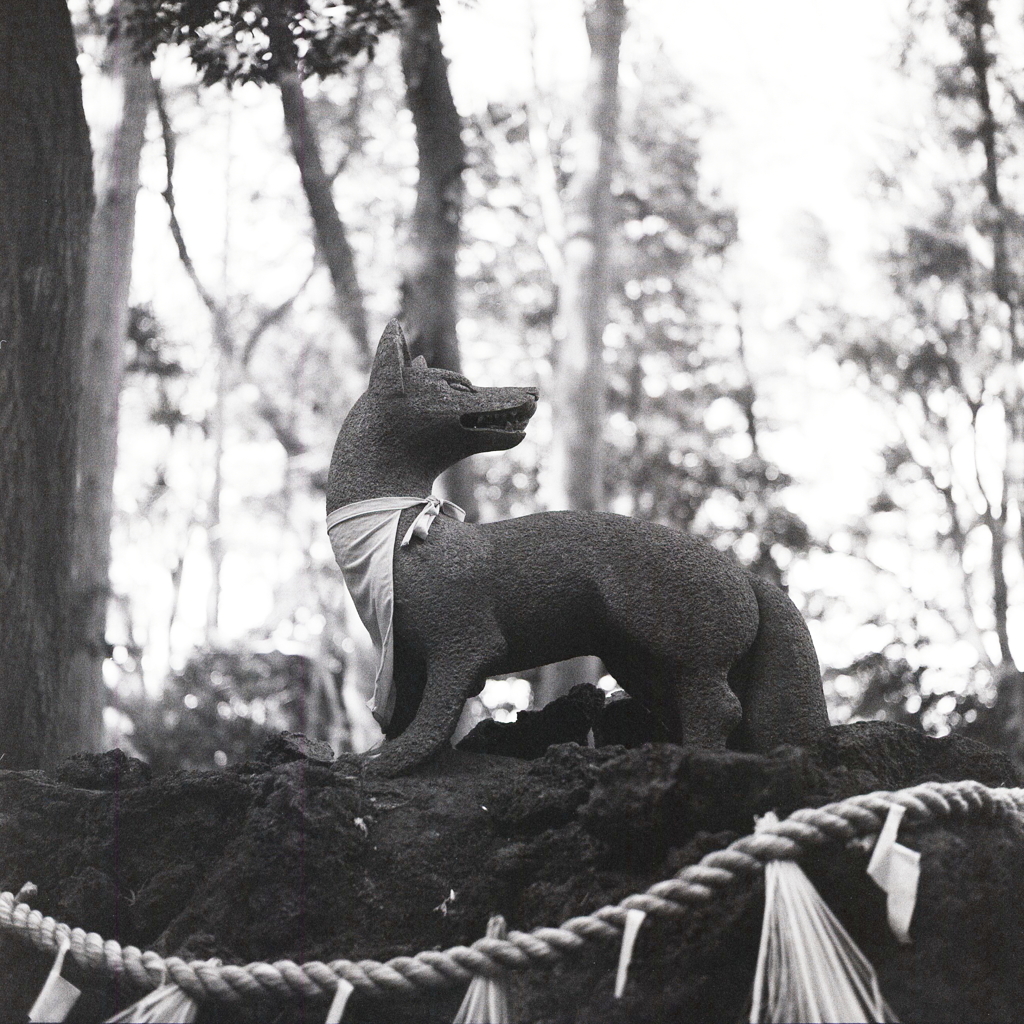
(351, 766)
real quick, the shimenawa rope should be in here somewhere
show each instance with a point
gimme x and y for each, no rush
(844, 821)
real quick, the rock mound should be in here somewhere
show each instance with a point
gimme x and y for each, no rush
(287, 858)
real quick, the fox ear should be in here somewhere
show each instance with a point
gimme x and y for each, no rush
(391, 359)
(419, 363)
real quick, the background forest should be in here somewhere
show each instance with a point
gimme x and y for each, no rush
(827, 384)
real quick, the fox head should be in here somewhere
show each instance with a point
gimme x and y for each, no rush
(442, 409)
(415, 420)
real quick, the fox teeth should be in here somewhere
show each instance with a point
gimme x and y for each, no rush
(500, 419)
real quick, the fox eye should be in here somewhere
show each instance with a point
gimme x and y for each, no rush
(457, 385)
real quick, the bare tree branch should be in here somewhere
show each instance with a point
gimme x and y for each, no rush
(353, 121)
(272, 317)
(225, 345)
(747, 395)
(539, 129)
(1005, 284)
(167, 133)
(331, 238)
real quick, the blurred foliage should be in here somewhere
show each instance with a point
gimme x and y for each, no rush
(878, 687)
(237, 41)
(225, 704)
(150, 360)
(944, 364)
(683, 411)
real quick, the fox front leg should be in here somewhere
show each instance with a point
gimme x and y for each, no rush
(449, 685)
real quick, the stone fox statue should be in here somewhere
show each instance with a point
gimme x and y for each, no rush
(715, 652)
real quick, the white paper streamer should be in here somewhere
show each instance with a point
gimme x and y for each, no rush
(486, 1000)
(167, 1004)
(29, 891)
(897, 870)
(809, 970)
(57, 995)
(634, 918)
(340, 1000)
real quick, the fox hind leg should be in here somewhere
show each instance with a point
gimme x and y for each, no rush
(708, 710)
(778, 679)
(695, 707)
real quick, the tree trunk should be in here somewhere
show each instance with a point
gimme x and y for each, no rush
(214, 523)
(1007, 289)
(45, 205)
(105, 321)
(429, 282)
(331, 239)
(578, 399)
(429, 287)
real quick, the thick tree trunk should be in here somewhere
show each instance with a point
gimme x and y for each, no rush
(578, 400)
(105, 322)
(45, 205)
(330, 232)
(429, 282)
(429, 286)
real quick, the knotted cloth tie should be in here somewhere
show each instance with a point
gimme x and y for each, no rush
(363, 538)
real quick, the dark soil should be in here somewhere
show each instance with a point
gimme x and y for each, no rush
(286, 857)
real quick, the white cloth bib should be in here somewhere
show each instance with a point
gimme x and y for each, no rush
(363, 538)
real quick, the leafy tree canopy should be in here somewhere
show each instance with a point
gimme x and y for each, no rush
(236, 41)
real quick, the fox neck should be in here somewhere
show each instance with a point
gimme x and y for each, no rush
(370, 462)
(356, 479)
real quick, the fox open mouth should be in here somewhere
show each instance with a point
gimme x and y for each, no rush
(510, 420)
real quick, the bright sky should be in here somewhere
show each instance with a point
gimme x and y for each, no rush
(804, 97)
(803, 92)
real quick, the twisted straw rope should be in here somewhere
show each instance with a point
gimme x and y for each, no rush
(845, 821)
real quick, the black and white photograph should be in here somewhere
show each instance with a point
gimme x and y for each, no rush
(511, 511)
